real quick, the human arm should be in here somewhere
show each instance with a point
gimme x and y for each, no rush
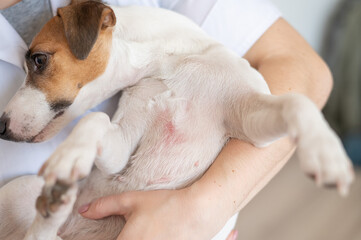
(288, 64)
(240, 171)
(7, 3)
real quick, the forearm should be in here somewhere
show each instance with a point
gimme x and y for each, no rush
(239, 173)
(241, 170)
(291, 65)
(7, 3)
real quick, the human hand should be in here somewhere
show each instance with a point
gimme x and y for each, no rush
(159, 215)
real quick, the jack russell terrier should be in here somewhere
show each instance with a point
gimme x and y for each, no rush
(184, 95)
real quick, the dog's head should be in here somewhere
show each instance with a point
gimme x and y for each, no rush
(71, 51)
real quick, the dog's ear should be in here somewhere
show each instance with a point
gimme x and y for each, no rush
(83, 23)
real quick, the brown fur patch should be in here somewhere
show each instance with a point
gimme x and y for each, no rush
(82, 23)
(61, 79)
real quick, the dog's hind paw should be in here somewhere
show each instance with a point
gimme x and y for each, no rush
(323, 158)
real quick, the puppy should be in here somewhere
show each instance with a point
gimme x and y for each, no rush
(184, 95)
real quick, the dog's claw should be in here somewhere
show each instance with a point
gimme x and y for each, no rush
(41, 206)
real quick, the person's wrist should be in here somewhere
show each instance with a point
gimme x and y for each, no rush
(208, 203)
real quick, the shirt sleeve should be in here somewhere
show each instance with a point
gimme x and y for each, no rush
(237, 24)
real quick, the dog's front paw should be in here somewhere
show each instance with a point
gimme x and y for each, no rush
(323, 157)
(69, 163)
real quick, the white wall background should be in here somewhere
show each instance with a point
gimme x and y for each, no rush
(309, 17)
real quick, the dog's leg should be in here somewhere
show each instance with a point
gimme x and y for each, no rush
(264, 118)
(54, 207)
(93, 136)
(120, 141)
(17, 201)
(17, 213)
(135, 112)
(72, 160)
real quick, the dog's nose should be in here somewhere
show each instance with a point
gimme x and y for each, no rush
(3, 124)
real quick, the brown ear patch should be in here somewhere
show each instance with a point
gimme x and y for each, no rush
(82, 24)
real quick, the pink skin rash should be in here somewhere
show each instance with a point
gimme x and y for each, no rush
(159, 181)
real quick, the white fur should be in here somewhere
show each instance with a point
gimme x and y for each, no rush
(23, 114)
(184, 96)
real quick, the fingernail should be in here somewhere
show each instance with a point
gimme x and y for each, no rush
(84, 208)
(235, 235)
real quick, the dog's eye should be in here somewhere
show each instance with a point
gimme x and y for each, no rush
(40, 60)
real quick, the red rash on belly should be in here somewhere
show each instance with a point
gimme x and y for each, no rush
(159, 181)
(171, 134)
(170, 128)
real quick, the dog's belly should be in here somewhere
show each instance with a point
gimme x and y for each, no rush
(177, 148)
(171, 161)
(172, 154)
(167, 170)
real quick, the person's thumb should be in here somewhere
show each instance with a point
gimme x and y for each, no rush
(107, 206)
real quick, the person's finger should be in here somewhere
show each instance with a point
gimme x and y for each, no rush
(233, 235)
(107, 206)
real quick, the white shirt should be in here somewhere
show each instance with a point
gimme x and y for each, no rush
(237, 24)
